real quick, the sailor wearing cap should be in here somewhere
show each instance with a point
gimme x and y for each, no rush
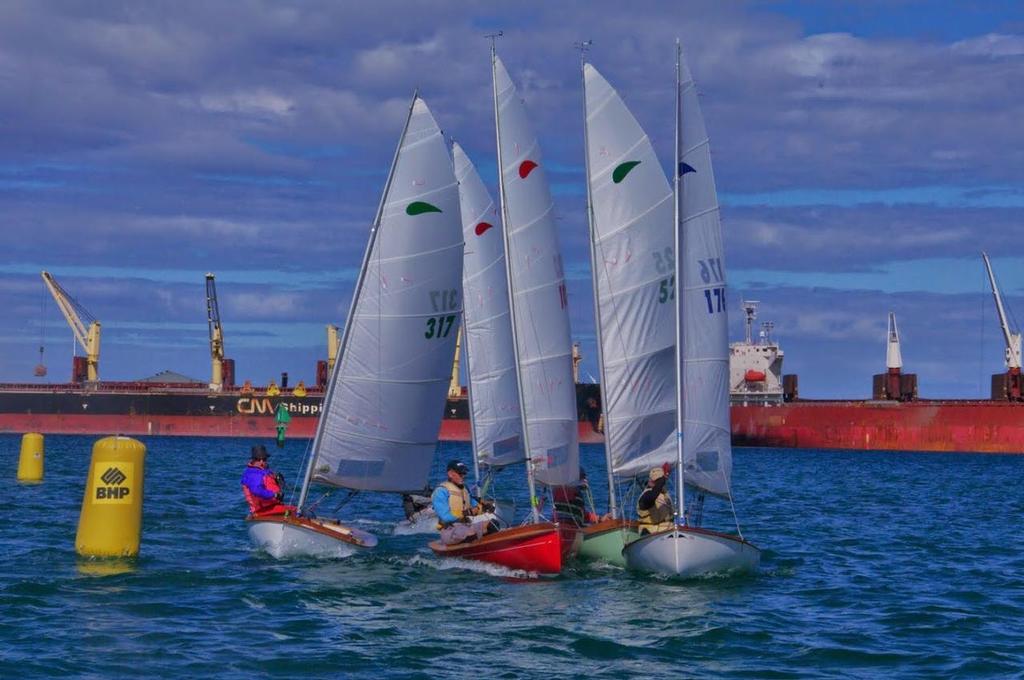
(262, 486)
(654, 507)
(454, 507)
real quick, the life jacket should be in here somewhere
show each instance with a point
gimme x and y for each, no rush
(458, 501)
(659, 517)
(257, 504)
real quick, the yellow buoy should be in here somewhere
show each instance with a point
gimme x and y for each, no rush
(30, 461)
(111, 519)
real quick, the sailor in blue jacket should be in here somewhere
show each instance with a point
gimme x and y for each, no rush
(455, 507)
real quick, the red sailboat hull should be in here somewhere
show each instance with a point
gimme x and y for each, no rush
(534, 548)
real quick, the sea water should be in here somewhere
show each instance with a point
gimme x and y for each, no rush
(874, 565)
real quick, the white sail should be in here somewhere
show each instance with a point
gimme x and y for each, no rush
(634, 278)
(494, 395)
(537, 280)
(707, 451)
(384, 407)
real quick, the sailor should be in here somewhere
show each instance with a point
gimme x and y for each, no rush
(455, 507)
(571, 503)
(413, 504)
(262, 486)
(654, 507)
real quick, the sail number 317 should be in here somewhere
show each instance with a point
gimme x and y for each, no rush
(442, 301)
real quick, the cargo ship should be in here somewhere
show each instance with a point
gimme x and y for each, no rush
(767, 409)
(171, 404)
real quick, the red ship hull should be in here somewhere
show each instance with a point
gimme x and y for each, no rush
(534, 547)
(981, 426)
(964, 426)
(452, 430)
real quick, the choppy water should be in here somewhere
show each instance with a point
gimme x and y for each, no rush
(875, 565)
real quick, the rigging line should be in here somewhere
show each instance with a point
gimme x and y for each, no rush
(351, 494)
(732, 505)
(981, 334)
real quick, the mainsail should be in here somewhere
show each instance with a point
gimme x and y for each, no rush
(632, 248)
(540, 301)
(386, 397)
(707, 451)
(493, 393)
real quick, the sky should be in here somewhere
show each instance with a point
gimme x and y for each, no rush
(865, 153)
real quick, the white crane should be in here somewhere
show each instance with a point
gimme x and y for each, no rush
(77, 316)
(1012, 339)
(216, 336)
(893, 357)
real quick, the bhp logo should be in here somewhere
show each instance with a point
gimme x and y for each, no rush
(113, 477)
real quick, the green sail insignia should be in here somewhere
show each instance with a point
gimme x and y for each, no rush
(420, 207)
(622, 169)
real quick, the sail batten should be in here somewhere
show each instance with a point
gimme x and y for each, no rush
(386, 399)
(632, 254)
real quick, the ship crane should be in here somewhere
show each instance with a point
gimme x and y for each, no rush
(1013, 343)
(216, 336)
(88, 336)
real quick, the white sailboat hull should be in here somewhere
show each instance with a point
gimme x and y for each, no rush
(283, 537)
(685, 552)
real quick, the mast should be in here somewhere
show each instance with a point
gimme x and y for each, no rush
(506, 224)
(612, 500)
(469, 397)
(347, 332)
(680, 288)
(1013, 349)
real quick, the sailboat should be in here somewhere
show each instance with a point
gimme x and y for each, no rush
(631, 253)
(386, 395)
(538, 307)
(704, 451)
(496, 426)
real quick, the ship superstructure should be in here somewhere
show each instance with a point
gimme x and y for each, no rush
(755, 368)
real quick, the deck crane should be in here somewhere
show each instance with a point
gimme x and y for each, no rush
(216, 336)
(78, 316)
(893, 360)
(1012, 388)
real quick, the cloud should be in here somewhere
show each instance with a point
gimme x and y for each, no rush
(254, 137)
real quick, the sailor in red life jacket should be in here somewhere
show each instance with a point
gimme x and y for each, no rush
(455, 507)
(262, 487)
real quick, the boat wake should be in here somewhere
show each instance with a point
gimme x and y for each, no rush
(425, 524)
(448, 563)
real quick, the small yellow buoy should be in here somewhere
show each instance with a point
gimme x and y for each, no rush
(111, 519)
(30, 461)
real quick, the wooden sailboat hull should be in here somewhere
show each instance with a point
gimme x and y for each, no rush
(533, 547)
(685, 552)
(288, 536)
(605, 540)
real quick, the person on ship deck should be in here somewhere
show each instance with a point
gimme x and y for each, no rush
(455, 507)
(262, 486)
(654, 506)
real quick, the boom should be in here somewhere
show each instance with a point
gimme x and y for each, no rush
(216, 336)
(1012, 339)
(77, 316)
